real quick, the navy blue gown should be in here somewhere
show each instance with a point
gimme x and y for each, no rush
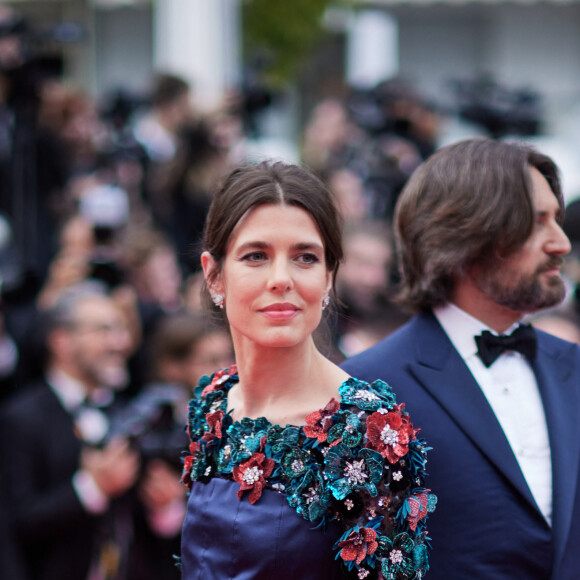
(339, 497)
(224, 537)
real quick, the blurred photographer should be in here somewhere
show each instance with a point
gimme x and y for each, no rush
(90, 244)
(81, 504)
(33, 170)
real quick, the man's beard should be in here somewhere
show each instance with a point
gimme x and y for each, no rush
(114, 377)
(528, 293)
(110, 375)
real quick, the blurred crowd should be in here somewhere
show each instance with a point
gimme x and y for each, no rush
(104, 332)
(102, 207)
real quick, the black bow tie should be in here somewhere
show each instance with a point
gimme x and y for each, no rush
(522, 339)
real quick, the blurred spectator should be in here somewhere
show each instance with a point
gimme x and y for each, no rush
(83, 133)
(571, 268)
(11, 561)
(71, 264)
(200, 162)
(88, 251)
(561, 323)
(379, 135)
(328, 136)
(364, 287)
(170, 110)
(348, 190)
(364, 278)
(361, 333)
(79, 504)
(153, 272)
(182, 349)
(193, 293)
(158, 132)
(32, 163)
(9, 358)
(406, 114)
(186, 346)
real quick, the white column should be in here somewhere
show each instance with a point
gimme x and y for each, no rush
(372, 48)
(200, 41)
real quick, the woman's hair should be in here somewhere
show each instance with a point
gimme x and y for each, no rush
(470, 201)
(278, 183)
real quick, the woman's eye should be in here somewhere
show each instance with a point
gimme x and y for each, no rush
(308, 258)
(254, 257)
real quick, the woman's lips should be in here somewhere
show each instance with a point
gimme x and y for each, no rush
(280, 311)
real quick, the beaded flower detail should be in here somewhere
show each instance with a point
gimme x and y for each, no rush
(357, 462)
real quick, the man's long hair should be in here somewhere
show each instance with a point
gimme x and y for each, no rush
(469, 202)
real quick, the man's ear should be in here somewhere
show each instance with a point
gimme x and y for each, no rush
(58, 343)
(211, 273)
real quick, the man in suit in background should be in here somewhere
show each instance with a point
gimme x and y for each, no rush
(480, 244)
(71, 486)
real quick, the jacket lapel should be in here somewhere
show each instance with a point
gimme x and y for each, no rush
(557, 380)
(441, 371)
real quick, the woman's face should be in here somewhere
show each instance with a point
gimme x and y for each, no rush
(274, 277)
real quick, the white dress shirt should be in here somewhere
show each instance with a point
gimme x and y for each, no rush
(511, 389)
(91, 426)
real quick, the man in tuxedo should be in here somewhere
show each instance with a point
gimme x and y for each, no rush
(72, 487)
(480, 244)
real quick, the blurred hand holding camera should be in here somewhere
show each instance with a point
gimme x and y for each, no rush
(113, 468)
(160, 486)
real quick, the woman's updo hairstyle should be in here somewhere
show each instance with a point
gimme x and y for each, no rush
(276, 183)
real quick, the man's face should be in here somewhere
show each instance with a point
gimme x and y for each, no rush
(99, 343)
(529, 279)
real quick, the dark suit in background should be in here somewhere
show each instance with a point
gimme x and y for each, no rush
(83, 502)
(487, 525)
(41, 453)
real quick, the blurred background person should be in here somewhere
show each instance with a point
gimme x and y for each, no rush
(157, 130)
(562, 323)
(365, 286)
(185, 347)
(80, 503)
(200, 162)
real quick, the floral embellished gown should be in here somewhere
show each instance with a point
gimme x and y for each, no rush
(342, 496)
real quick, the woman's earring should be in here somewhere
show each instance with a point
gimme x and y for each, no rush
(325, 302)
(218, 300)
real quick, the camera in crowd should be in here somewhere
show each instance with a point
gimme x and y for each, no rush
(30, 53)
(106, 207)
(500, 110)
(149, 422)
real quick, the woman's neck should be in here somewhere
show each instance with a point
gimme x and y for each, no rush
(283, 384)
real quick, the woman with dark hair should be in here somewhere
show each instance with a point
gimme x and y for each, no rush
(297, 470)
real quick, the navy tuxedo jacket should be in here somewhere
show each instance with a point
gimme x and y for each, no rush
(487, 525)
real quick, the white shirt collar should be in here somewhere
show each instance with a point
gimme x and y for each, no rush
(462, 328)
(72, 392)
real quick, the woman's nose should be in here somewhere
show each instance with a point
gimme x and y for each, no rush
(280, 276)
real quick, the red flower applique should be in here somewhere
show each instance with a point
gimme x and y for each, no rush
(188, 464)
(358, 545)
(252, 475)
(219, 378)
(390, 433)
(186, 475)
(318, 424)
(418, 508)
(214, 422)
